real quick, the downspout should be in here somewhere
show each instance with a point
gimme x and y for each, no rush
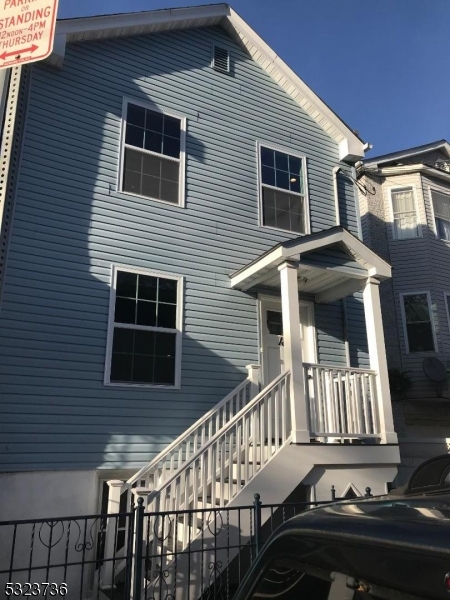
(336, 195)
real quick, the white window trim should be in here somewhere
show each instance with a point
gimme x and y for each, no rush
(433, 216)
(433, 324)
(272, 146)
(447, 294)
(182, 159)
(396, 188)
(179, 327)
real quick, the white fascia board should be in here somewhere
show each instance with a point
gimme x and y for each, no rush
(136, 19)
(350, 147)
(270, 259)
(378, 266)
(406, 154)
(408, 169)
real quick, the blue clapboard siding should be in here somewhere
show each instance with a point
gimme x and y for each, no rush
(71, 224)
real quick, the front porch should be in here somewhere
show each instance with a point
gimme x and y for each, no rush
(328, 402)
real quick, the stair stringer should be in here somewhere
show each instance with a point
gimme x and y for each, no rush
(200, 568)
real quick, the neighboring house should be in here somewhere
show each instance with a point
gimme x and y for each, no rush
(178, 215)
(405, 214)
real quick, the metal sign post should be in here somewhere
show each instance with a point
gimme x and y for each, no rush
(27, 30)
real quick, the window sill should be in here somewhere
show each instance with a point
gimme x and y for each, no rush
(165, 202)
(421, 353)
(153, 386)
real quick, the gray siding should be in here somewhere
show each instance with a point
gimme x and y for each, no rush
(71, 224)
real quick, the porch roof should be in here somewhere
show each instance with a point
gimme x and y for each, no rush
(331, 264)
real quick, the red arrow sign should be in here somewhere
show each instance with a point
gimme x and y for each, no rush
(6, 55)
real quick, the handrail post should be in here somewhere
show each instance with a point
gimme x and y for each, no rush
(113, 508)
(254, 377)
(138, 539)
(257, 511)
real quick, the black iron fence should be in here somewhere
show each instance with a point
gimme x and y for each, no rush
(198, 554)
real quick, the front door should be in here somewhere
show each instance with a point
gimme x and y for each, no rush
(272, 337)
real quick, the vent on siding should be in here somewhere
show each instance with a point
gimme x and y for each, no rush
(221, 60)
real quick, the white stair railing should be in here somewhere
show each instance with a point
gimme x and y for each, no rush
(342, 401)
(224, 465)
(189, 442)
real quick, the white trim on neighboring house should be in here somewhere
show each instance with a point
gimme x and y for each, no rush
(305, 194)
(433, 216)
(179, 327)
(447, 311)
(432, 320)
(182, 160)
(399, 187)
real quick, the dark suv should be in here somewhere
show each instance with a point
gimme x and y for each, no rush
(394, 547)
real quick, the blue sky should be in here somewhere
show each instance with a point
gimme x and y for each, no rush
(383, 65)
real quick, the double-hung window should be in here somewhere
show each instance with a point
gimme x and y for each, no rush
(404, 214)
(144, 337)
(441, 208)
(282, 190)
(418, 322)
(153, 154)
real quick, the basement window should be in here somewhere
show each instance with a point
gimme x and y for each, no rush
(144, 332)
(221, 59)
(153, 154)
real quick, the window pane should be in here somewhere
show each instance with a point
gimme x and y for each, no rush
(295, 165)
(294, 183)
(171, 147)
(146, 313)
(165, 344)
(144, 342)
(164, 370)
(441, 205)
(153, 141)
(443, 229)
(125, 311)
(270, 217)
(168, 290)
(172, 127)
(126, 284)
(132, 182)
(282, 180)
(150, 186)
(274, 322)
(154, 121)
(121, 367)
(170, 170)
(147, 287)
(167, 316)
(420, 337)
(151, 165)
(143, 369)
(297, 223)
(267, 157)
(268, 175)
(133, 160)
(281, 161)
(416, 308)
(123, 340)
(136, 115)
(169, 191)
(268, 198)
(282, 201)
(402, 201)
(283, 220)
(134, 136)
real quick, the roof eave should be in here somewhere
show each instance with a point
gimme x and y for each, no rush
(351, 147)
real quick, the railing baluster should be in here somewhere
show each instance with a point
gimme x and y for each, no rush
(342, 407)
(269, 423)
(374, 403)
(363, 381)
(356, 391)
(277, 418)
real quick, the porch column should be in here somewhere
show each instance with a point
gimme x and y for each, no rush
(377, 354)
(293, 351)
(107, 570)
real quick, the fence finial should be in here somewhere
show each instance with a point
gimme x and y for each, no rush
(333, 493)
(368, 493)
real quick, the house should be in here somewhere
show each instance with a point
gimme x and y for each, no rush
(182, 255)
(405, 213)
